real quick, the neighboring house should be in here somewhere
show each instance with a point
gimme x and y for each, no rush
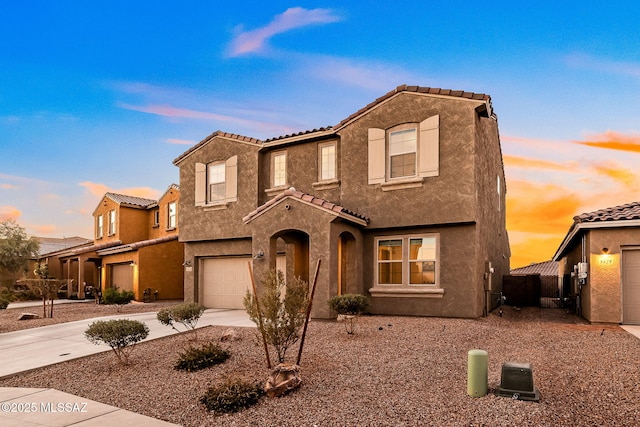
(600, 260)
(403, 201)
(135, 248)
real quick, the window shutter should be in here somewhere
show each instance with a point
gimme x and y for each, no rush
(201, 184)
(376, 156)
(231, 179)
(429, 160)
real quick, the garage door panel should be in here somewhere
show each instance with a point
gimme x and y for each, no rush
(631, 287)
(122, 276)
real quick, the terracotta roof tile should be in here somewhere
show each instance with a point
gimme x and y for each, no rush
(309, 198)
(123, 199)
(625, 212)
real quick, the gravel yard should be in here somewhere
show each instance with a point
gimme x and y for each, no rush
(395, 371)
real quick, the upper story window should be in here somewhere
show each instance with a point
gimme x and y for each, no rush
(156, 217)
(327, 158)
(99, 227)
(279, 161)
(172, 215)
(112, 222)
(403, 155)
(217, 182)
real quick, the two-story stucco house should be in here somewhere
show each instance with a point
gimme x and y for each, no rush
(135, 248)
(403, 201)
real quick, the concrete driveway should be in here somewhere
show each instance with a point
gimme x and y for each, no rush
(37, 347)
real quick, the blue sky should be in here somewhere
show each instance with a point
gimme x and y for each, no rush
(98, 97)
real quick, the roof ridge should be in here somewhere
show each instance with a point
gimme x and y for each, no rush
(620, 212)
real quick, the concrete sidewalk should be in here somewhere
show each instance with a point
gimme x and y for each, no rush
(27, 407)
(34, 348)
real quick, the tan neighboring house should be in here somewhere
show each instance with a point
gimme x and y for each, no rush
(403, 201)
(135, 248)
(600, 261)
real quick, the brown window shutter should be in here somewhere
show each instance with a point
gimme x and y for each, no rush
(201, 184)
(429, 160)
(377, 156)
(231, 179)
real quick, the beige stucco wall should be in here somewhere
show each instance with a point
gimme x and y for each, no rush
(161, 269)
(161, 230)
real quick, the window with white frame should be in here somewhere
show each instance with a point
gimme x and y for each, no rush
(279, 169)
(216, 182)
(172, 214)
(402, 153)
(327, 157)
(112, 222)
(156, 217)
(99, 227)
(407, 260)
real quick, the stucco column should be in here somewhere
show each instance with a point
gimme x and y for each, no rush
(80, 278)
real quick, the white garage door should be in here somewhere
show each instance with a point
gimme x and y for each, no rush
(631, 287)
(122, 276)
(225, 281)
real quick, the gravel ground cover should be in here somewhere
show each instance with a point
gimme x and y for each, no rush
(395, 371)
(70, 312)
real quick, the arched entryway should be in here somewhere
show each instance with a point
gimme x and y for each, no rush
(295, 245)
(347, 273)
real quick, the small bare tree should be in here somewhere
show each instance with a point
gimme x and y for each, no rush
(44, 287)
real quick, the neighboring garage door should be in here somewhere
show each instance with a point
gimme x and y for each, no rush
(122, 276)
(225, 281)
(631, 287)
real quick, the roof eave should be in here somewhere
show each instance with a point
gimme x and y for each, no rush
(576, 228)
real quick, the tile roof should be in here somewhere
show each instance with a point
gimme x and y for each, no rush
(310, 199)
(546, 268)
(329, 129)
(617, 213)
(136, 245)
(131, 201)
(54, 244)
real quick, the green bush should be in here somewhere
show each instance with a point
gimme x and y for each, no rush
(349, 304)
(112, 296)
(187, 314)
(119, 334)
(232, 396)
(196, 358)
(4, 303)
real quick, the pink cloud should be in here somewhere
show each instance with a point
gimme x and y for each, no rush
(174, 112)
(255, 40)
(9, 212)
(180, 141)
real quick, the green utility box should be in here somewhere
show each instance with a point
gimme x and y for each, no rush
(477, 373)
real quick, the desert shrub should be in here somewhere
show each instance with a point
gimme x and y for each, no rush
(196, 358)
(282, 317)
(186, 314)
(232, 396)
(119, 334)
(113, 296)
(4, 303)
(350, 306)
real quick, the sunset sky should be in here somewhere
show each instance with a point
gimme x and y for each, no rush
(102, 96)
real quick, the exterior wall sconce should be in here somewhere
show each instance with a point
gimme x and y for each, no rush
(133, 263)
(259, 255)
(605, 251)
(187, 263)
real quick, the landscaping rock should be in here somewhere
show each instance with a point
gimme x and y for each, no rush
(27, 316)
(284, 378)
(230, 335)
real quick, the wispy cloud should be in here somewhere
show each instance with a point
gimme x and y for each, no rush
(374, 75)
(255, 41)
(179, 141)
(613, 141)
(618, 173)
(603, 65)
(185, 113)
(97, 189)
(9, 212)
(530, 163)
